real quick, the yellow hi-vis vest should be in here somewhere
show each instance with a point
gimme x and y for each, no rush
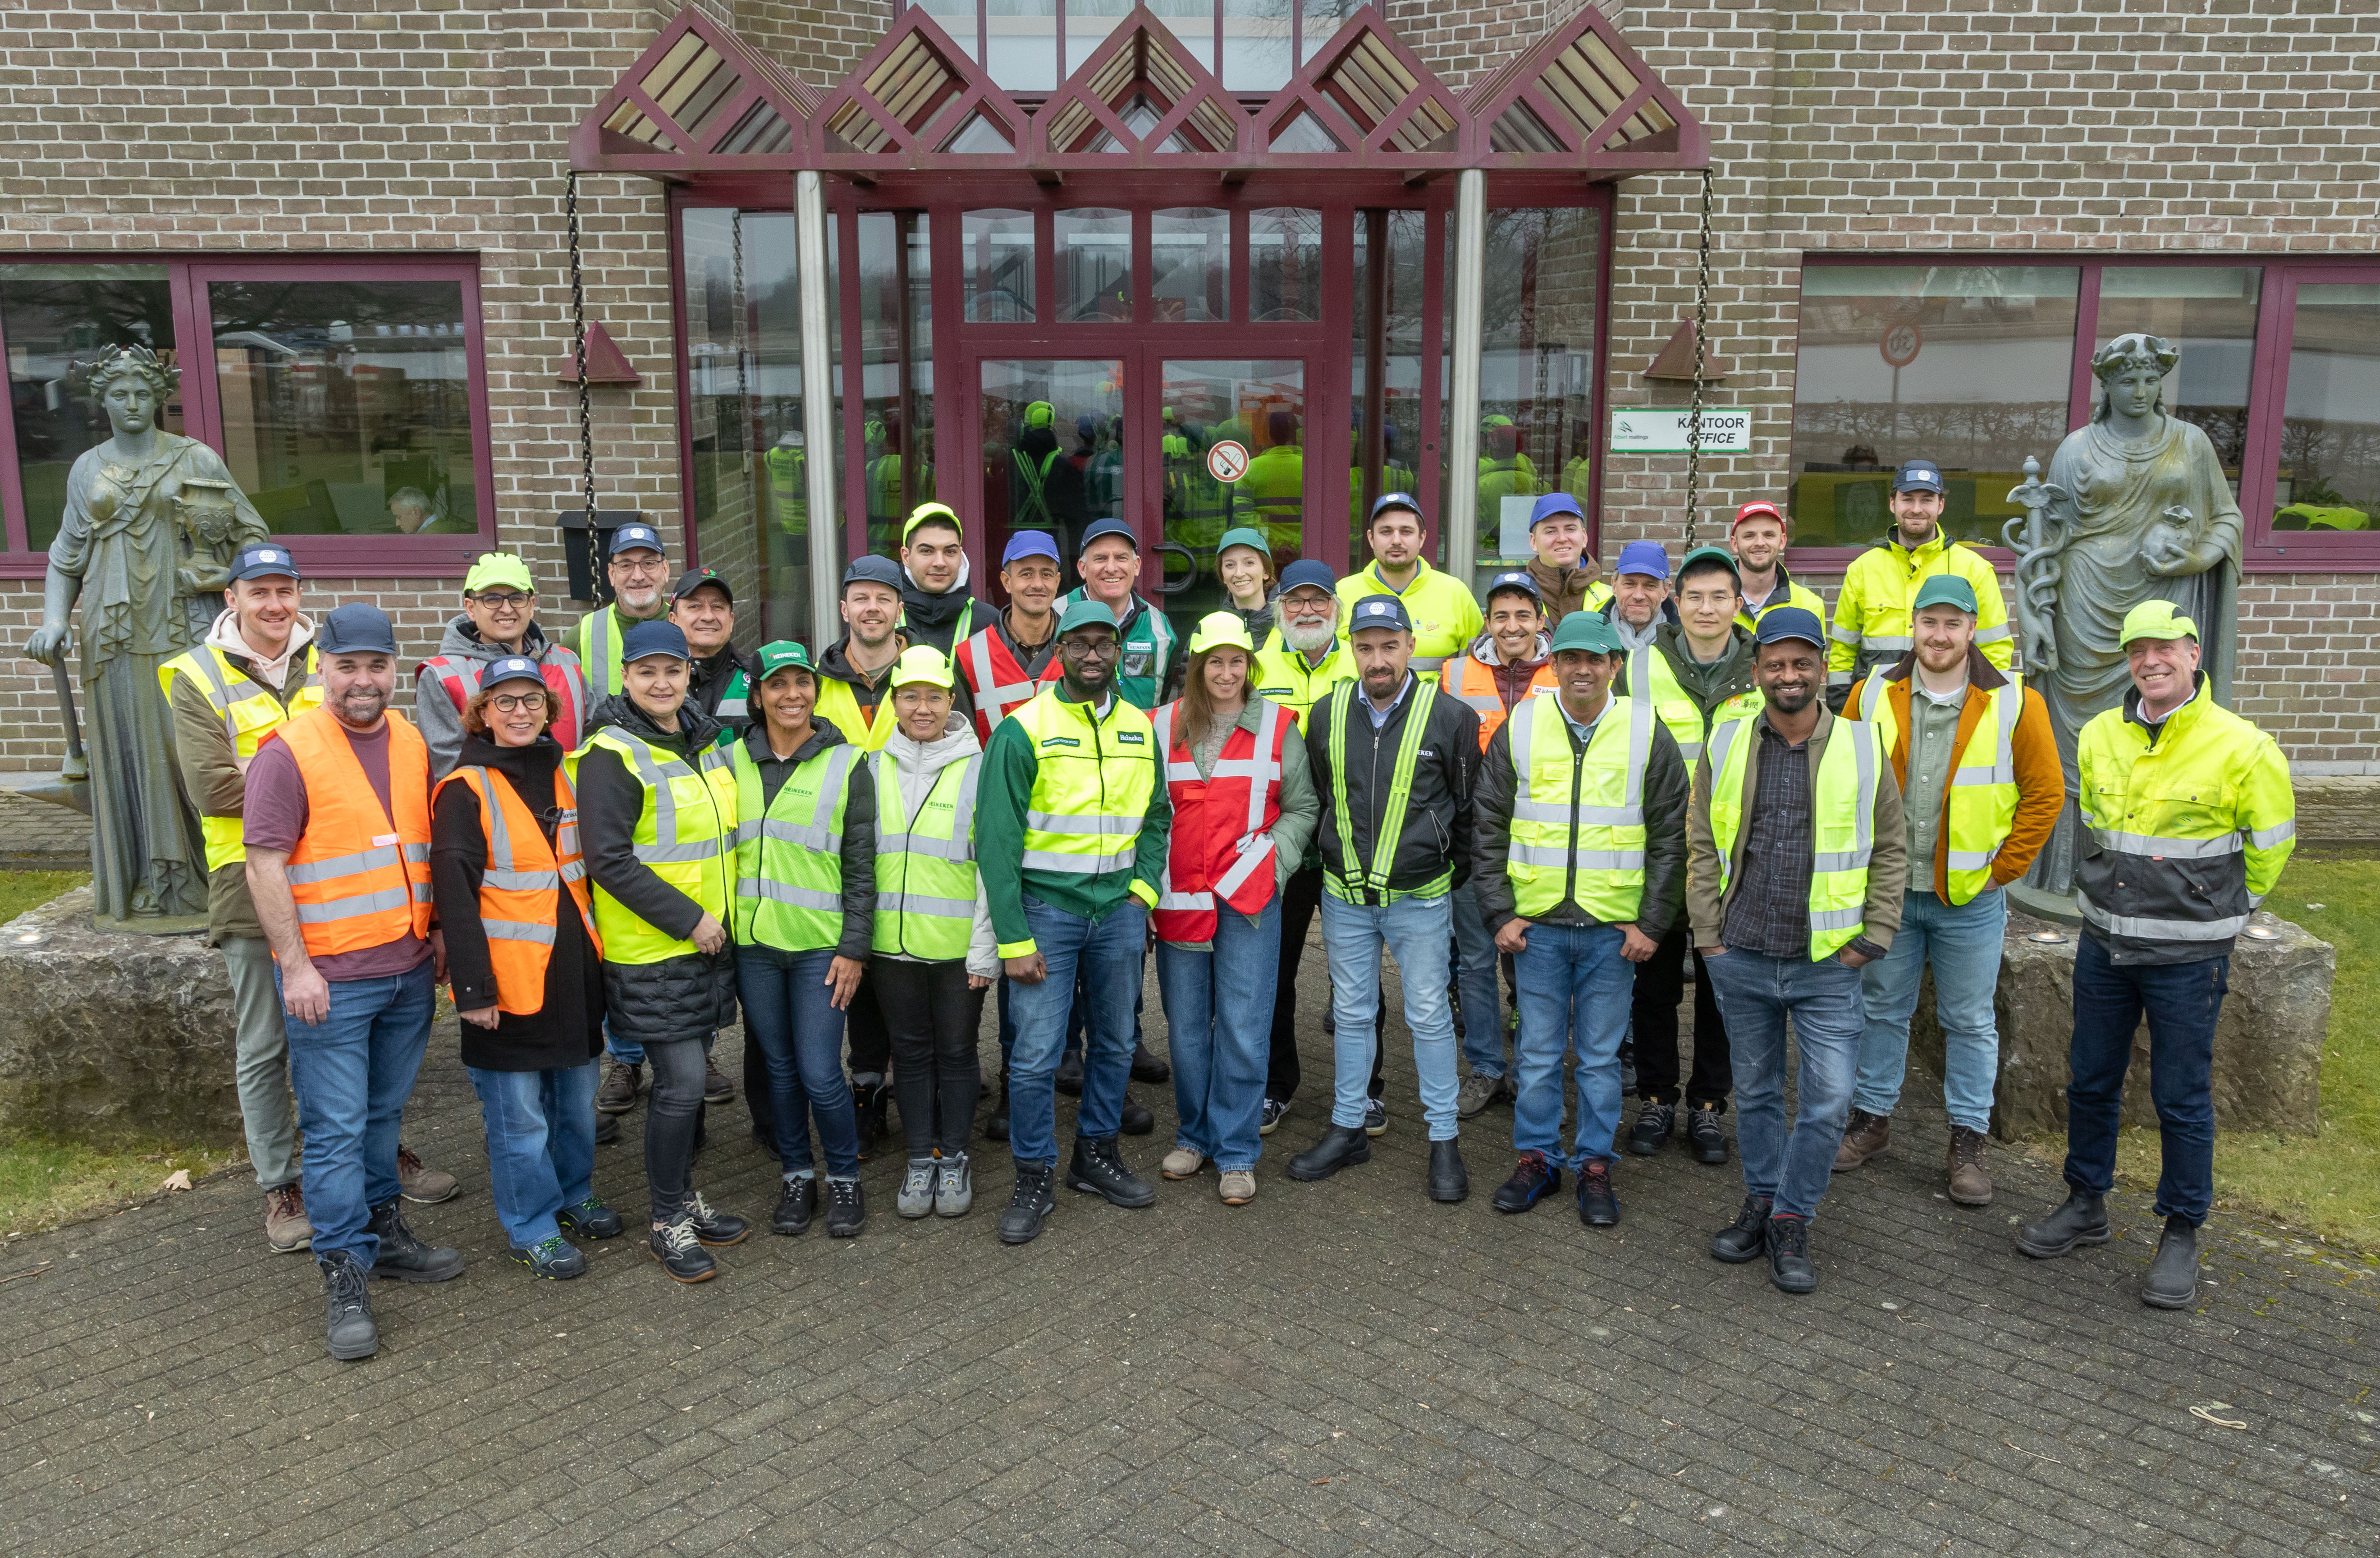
(1288, 678)
(1983, 780)
(1578, 817)
(599, 648)
(925, 865)
(685, 834)
(1092, 788)
(789, 853)
(1842, 813)
(839, 706)
(249, 712)
(1351, 880)
(1649, 678)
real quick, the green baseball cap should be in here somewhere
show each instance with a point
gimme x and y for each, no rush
(1242, 535)
(775, 657)
(1716, 554)
(1087, 613)
(2155, 619)
(1945, 589)
(1586, 631)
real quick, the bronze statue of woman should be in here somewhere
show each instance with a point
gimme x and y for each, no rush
(120, 553)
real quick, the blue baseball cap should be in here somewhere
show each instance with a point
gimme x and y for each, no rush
(1393, 500)
(1552, 503)
(1103, 527)
(1308, 573)
(1516, 579)
(1918, 476)
(358, 627)
(626, 536)
(1030, 543)
(511, 668)
(1380, 611)
(1789, 622)
(652, 638)
(1646, 558)
(257, 562)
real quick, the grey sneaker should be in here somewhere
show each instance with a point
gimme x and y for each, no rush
(916, 1198)
(1477, 1093)
(954, 1187)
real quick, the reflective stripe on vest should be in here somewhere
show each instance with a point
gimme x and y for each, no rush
(1578, 817)
(1285, 676)
(1474, 685)
(1983, 799)
(560, 670)
(1650, 676)
(520, 892)
(247, 718)
(1091, 792)
(996, 681)
(789, 854)
(925, 865)
(1843, 809)
(685, 833)
(1221, 845)
(1352, 874)
(360, 872)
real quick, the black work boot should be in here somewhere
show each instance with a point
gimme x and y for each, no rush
(1702, 1130)
(1148, 1067)
(1448, 1180)
(1654, 1121)
(1029, 1204)
(404, 1258)
(1340, 1147)
(352, 1333)
(1789, 1255)
(1135, 1119)
(1744, 1239)
(846, 1209)
(795, 1207)
(1598, 1207)
(2173, 1275)
(1100, 1169)
(996, 1128)
(2082, 1221)
(674, 1244)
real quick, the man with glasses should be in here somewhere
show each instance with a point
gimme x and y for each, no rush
(639, 571)
(499, 619)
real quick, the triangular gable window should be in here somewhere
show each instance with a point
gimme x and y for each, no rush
(1305, 133)
(979, 135)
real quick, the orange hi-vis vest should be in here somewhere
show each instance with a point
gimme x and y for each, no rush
(1476, 686)
(360, 877)
(997, 683)
(520, 892)
(1222, 844)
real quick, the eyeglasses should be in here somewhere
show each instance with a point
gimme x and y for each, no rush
(1306, 605)
(513, 702)
(621, 564)
(500, 600)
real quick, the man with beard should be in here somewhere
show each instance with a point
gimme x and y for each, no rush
(852, 690)
(1640, 606)
(937, 607)
(1444, 616)
(1758, 538)
(337, 831)
(1796, 859)
(637, 570)
(704, 609)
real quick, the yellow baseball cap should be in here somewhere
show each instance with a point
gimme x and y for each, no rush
(926, 511)
(498, 567)
(1220, 631)
(2155, 619)
(922, 663)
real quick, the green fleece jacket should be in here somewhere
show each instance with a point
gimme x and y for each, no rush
(1012, 771)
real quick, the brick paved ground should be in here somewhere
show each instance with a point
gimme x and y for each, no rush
(1338, 1369)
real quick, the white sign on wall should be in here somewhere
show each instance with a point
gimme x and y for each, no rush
(1724, 432)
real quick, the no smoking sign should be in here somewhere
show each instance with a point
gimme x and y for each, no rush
(1227, 461)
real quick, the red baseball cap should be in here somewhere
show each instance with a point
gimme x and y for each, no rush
(1756, 508)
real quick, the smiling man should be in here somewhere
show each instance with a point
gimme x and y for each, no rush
(1149, 657)
(938, 607)
(499, 619)
(704, 609)
(1757, 537)
(1874, 607)
(1444, 617)
(1568, 576)
(638, 571)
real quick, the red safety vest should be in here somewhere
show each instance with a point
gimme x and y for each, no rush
(565, 678)
(1221, 844)
(1475, 686)
(996, 681)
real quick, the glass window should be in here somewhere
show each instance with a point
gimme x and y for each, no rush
(1190, 265)
(897, 370)
(1088, 22)
(1386, 446)
(956, 18)
(1052, 448)
(51, 317)
(1284, 265)
(1191, 21)
(2209, 313)
(1969, 365)
(1021, 43)
(346, 405)
(1256, 45)
(1095, 281)
(1260, 405)
(999, 265)
(1319, 20)
(1536, 373)
(2329, 477)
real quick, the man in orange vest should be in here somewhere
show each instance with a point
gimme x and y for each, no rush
(336, 824)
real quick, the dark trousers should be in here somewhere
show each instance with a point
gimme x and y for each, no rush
(934, 1018)
(672, 1113)
(1300, 901)
(1660, 985)
(870, 1040)
(2181, 1002)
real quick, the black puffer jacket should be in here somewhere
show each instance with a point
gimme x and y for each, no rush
(688, 997)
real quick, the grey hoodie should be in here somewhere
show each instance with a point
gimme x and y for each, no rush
(914, 768)
(440, 718)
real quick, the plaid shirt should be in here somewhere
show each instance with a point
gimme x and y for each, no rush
(1770, 912)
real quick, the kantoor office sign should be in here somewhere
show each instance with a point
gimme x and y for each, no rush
(1724, 432)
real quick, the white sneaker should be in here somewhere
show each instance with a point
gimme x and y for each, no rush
(917, 1189)
(955, 1190)
(1181, 1162)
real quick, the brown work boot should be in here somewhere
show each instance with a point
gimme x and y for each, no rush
(622, 1082)
(426, 1186)
(1970, 1185)
(716, 1088)
(1864, 1136)
(286, 1228)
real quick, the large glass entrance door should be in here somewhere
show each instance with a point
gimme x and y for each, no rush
(1211, 406)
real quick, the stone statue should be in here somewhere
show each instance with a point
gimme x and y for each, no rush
(2136, 508)
(151, 521)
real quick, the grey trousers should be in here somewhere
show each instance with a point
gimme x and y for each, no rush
(266, 1107)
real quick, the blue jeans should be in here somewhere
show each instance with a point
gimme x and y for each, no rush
(1483, 1002)
(1756, 995)
(353, 1072)
(1108, 950)
(627, 1051)
(1219, 1022)
(2181, 1002)
(541, 1145)
(1963, 942)
(785, 1012)
(1566, 970)
(1417, 931)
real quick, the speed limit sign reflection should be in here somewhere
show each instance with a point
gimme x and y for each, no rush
(1227, 461)
(1901, 343)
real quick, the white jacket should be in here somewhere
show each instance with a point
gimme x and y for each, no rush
(914, 768)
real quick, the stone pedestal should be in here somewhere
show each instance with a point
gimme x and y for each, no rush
(2267, 1045)
(106, 1036)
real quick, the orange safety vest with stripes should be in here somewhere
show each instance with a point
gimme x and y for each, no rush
(520, 892)
(1221, 850)
(1475, 686)
(998, 683)
(361, 874)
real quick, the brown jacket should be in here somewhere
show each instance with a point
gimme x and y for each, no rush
(1887, 865)
(215, 785)
(2040, 778)
(1566, 590)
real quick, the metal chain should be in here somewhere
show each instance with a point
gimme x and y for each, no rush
(586, 400)
(1702, 329)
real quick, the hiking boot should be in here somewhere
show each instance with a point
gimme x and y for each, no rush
(1340, 1147)
(1478, 1092)
(1237, 1187)
(1448, 1180)
(716, 1088)
(953, 1188)
(1099, 1170)
(423, 1186)
(1376, 1117)
(1653, 1123)
(1866, 1136)
(1070, 1074)
(622, 1083)
(1136, 1120)
(286, 1228)
(348, 1315)
(1702, 1130)
(795, 1205)
(716, 1229)
(1270, 1120)
(591, 1218)
(555, 1260)
(1789, 1255)
(846, 1209)
(1598, 1207)
(917, 1197)
(1744, 1239)
(680, 1252)
(404, 1258)
(1149, 1067)
(607, 1129)
(996, 1128)
(1970, 1185)
(1029, 1204)
(2173, 1275)
(1628, 1069)
(2082, 1220)
(1533, 1180)
(1182, 1164)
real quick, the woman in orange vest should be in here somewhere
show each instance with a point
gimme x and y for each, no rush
(526, 963)
(1243, 811)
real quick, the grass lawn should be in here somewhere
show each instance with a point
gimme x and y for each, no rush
(20, 891)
